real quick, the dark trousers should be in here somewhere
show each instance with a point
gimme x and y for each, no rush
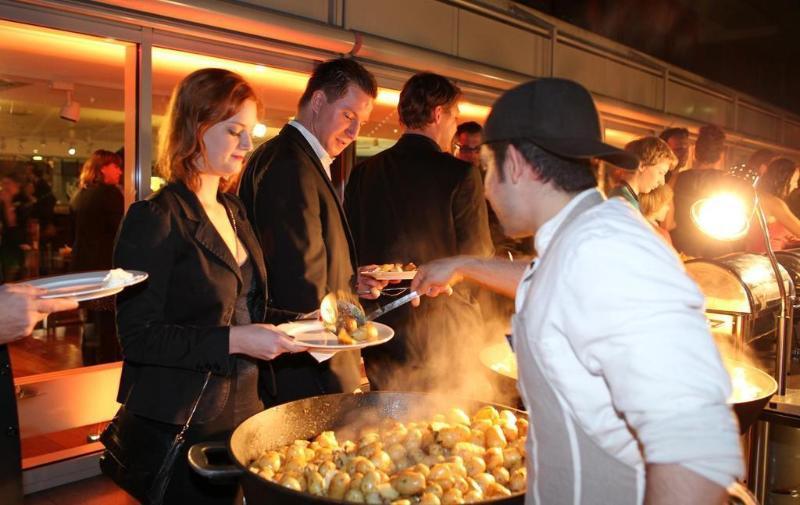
(147, 441)
(10, 455)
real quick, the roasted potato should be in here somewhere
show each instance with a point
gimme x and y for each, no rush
(448, 458)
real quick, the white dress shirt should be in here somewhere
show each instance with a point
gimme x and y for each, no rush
(620, 332)
(320, 151)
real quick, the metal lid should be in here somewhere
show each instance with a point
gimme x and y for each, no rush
(739, 283)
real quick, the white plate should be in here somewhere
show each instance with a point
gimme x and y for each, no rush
(83, 286)
(313, 335)
(406, 275)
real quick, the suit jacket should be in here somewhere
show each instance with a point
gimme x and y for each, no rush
(98, 211)
(414, 202)
(308, 249)
(174, 327)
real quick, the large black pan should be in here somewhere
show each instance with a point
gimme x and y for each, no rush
(304, 419)
(500, 361)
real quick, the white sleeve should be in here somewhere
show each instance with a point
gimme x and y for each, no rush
(637, 320)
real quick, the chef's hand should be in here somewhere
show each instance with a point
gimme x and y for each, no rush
(437, 277)
(21, 308)
(367, 286)
(261, 341)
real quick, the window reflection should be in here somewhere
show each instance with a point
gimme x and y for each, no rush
(61, 99)
(278, 89)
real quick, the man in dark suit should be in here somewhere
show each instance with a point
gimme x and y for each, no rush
(415, 202)
(291, 203)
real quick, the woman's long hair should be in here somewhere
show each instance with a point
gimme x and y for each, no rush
(90, 172)
(776, 179)
(202, 99)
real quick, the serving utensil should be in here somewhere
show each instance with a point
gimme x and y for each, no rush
(392, 305)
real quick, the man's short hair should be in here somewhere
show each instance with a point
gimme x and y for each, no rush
(334, 76)
(421, 95)
(673, 132)
(469, 127)
(710, 143)
(568, 175)
(652, 151)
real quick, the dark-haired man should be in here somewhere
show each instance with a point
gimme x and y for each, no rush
(467, 142)
(415, 202)
(705, 178)
(467, 147)
(296, 213)
(615, 360)
(678, 140)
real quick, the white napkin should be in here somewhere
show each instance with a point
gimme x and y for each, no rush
(309, 326)
(321, 356)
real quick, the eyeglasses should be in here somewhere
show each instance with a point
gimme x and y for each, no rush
(467, 149)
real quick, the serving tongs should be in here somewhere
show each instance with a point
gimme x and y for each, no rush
(392, 305)
(315, 315)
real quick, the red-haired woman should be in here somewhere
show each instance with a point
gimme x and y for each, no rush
(98, 207)
(200, 309)
(97, 210)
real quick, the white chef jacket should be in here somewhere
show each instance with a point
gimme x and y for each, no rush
(622, 338)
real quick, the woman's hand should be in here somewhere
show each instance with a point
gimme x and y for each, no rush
(261, 341)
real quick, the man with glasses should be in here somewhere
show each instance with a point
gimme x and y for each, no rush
(467, 147)
(414, 202)
(467, 142)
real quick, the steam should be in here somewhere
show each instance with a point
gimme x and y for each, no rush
(443, 340)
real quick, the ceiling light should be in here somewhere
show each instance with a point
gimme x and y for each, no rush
(259, 130)
(71, 151)
(71, 111)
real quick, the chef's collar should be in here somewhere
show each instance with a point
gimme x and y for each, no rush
(320, 151)
(545, 233)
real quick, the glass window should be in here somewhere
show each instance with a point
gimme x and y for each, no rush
(61, 99)
(278, 89)
(384, 127)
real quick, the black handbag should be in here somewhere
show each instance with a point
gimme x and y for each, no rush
(147, 487)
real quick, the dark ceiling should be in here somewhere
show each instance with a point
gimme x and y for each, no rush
(750, 45)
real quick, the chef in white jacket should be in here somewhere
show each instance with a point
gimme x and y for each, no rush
(616, 364)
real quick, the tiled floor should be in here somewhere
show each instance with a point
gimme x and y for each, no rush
(95, 491)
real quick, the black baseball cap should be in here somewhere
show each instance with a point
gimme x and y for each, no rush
(557, 115)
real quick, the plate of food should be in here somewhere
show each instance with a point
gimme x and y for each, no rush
(393, 272)
(318, 337)
(88, 285)
(342, 325)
